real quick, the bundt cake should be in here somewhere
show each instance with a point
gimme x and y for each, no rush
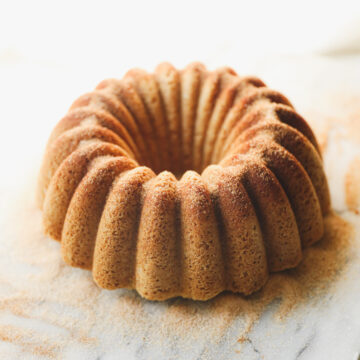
(183, 183)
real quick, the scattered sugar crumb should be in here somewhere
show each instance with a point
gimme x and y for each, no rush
(70, 310)
(352, 186)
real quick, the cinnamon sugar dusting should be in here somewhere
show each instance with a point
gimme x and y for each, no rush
(46, 306)
(343, 118)
(352, 186)
(321, 265)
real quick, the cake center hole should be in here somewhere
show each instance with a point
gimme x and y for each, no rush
(177, 156)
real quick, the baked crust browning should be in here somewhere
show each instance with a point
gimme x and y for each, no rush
(183, 183)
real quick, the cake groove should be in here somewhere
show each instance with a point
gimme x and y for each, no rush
(148, 89)
(300, 147)
(224, 119)
(299, 189)
(119, 106)
(142, 88)
(246, 266)
(278, 223)
(191, 81)
(79, 116)
(202, 264)
(115, 248)
(157, 260)
(206, 105)
(86, 207)
(183, 183)
(247, 108)
(169, 84)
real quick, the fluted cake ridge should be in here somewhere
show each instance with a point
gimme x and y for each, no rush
(183, 183)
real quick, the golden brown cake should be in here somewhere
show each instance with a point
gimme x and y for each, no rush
(183, 183)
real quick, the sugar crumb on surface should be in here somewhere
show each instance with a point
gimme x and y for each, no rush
(352, 186)
(68, 309)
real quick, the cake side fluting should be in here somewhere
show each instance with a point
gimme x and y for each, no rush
(115, 247)
(183, 183)
(244, 252)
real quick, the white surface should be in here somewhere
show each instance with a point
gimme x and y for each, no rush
(329, 329)
(88, 35)
(50, 55)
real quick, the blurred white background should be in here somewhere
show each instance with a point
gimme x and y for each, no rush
(51, 52)
(103, 36)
